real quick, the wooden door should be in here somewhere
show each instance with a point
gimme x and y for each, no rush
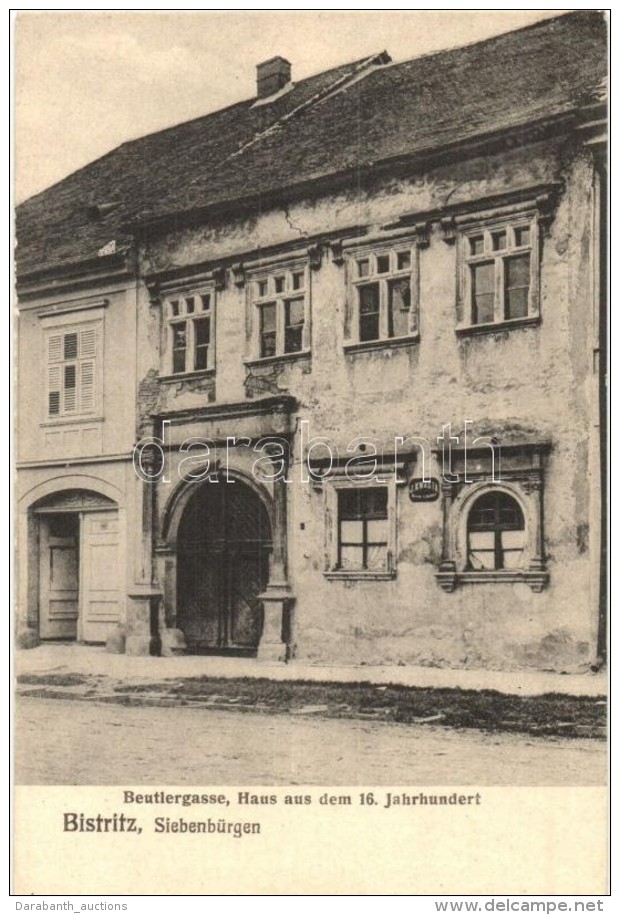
(102, 574)
(59, 575)
(224, 545)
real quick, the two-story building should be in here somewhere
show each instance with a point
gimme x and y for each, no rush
(355, 328)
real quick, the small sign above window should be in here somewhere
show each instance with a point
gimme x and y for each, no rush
(421, 490)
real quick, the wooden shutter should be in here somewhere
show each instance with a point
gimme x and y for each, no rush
(54, 348)
(54, 384)
(87, 385)
(88, 343)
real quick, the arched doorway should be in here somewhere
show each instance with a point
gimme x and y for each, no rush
(223, 545)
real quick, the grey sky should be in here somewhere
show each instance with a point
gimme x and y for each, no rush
(86, 82)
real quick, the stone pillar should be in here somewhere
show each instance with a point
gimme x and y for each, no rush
(142, 623)
(446, 574)
(277, 597)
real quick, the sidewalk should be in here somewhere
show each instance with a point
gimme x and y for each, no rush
(95, 661)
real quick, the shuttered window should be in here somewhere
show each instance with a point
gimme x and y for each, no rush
(72, 371)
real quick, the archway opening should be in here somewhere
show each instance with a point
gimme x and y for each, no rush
(223, 548)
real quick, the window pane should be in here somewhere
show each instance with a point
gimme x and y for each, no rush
(71, 344)
(352, 557)
(376, 557)
(202, 331)
(294, 312)
(499, 240)
(513, 540)
(476, 245)
(483, 280)
(202, 338)
(481, 540)
(404, 260)
(279, 284)
(377, 531)
(482, 560)
(293, 339)
(399, 299)
(294, 323)
(268, 318)
(174, 309)
(517, 285)
(363, 503)
(179, 336)
(352, 532)
(383, 263)
(190, 304)
(363, 268)
(369, 312)
(179, 343)
(262, 288)
(268, 330)
(268, 344)
(522, 236)
(206, 302)
(298, 280)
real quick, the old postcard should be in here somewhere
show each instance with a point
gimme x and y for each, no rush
(311, 483)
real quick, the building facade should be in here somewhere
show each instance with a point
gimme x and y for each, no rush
(320, 376)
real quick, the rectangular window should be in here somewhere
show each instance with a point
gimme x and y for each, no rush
(294, 325)
(384, 301)
(500, 278)
(517, 285)
(363, 529)
(483, 292)
(280, 304)
(71, 371)
(179, 346)
(202, 339)
(190, 328)
(369, 311)
(268, 330)
(399, 302)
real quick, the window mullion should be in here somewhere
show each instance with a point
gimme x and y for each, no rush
(280, 325)
(383, 310)
(498, 303)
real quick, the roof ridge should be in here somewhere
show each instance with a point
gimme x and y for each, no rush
(493, 38)
(358, 66)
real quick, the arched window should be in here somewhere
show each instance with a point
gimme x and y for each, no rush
(495, 533)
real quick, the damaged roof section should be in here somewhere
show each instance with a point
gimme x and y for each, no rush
(349, 118)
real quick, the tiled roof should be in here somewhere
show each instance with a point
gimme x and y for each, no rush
(330, 123)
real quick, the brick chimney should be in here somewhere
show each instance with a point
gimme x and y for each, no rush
(271, 76)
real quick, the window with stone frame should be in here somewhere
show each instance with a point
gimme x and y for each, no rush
(360, 527)
(280, 303)
(493, 521)
(499, 275)
(190, 324)
(384, 299)
(73, 370)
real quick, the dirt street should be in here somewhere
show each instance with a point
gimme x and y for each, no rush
(60, 742)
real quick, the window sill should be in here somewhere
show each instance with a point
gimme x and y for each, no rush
(388, 343)
(448, 578)
(338, 575)
(496, 326)
(186, 376)
(274, 360)
(71, 420)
